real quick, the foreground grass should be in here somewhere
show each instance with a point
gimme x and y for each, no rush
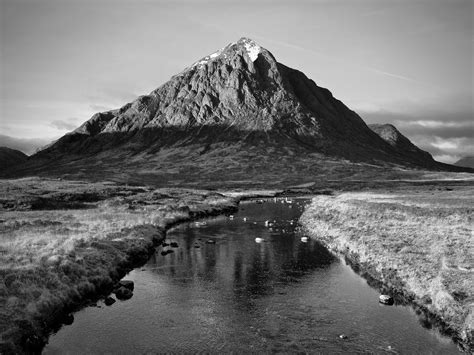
(64, 244)
(418, 244)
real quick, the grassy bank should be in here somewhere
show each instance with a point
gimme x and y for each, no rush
(66, 244)
(417, 243)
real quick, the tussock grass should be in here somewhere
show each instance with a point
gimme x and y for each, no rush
(54, 260)
(418, 243)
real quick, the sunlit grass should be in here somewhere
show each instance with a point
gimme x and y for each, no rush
(27, 238)
(425, 239)
(53, 259)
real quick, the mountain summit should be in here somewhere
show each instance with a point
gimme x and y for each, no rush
(232, 114)
(240, 86)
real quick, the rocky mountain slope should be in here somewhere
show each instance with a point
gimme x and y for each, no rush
(235, 114)
(402, 145)
(10, 157)
(467, 162)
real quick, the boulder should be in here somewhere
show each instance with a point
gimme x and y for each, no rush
(109, 301)
(385, 299)
(123, 293)
(127, 284)
(67, 319)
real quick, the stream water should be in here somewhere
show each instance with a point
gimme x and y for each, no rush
(241, 294)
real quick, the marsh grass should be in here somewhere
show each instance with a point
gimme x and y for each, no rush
(53, 260)
(419, 243)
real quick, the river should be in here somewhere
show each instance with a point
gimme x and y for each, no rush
(223, 290)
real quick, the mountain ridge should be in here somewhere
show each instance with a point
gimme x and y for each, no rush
(467, 162)
(232, 89)
(228, 106)
(10, 157)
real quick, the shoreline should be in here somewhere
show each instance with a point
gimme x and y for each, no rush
(378, 253)
(89, 272)
(136, 254)
(124, 249)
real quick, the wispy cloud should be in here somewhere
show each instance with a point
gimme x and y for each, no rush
(67, 124)
(101, 108)
(448, 136)
(27, 146)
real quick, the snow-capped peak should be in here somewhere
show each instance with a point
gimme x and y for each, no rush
(253, 49)
(208, 58)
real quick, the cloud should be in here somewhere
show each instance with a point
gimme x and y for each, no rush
(27, 146)
(437, 124)
(68, 124)
(101, 108)
(110, 97)
(446, 150)
(448, 136)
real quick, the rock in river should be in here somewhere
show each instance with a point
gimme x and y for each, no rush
(127, 284)
(123, 293)
(109, 301)
(385, 299)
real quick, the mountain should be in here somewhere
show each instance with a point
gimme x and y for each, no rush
(467, 162)
(402, 145)
(25, 145)
(10, 157)
(235, 115)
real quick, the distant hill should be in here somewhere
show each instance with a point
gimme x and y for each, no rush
(26, 145)
(10, 157)
(236, 115)
(467, 162)
(403, 146)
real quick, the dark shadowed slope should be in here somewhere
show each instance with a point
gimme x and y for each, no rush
(467, 162)
(236, 114)
(402, 145)
(10, 157)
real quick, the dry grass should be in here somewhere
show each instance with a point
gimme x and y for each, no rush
(53, 260)
(421, 242)
(29, 237)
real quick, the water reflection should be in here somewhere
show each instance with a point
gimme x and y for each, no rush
(280, 295)
(243, 266)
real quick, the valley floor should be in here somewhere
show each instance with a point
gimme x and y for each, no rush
(418, 243)
(65, 244)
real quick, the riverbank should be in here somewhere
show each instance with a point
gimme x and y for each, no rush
(418, 244)
(66, 244)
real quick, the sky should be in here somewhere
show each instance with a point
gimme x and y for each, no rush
(405, 62)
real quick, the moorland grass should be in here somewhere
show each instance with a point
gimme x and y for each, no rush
(417, 243)
(55, 260)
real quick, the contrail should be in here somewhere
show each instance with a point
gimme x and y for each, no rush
(342, 62)
(396, 76)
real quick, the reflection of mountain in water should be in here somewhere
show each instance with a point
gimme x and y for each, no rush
(238, 264)
(280, 296)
